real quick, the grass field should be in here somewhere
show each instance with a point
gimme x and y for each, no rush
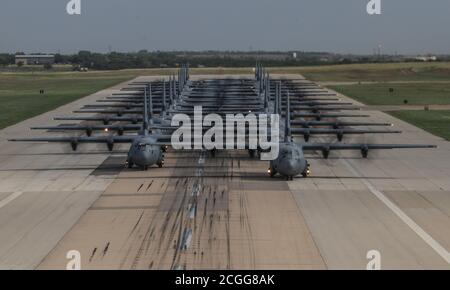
(379, 72)
(20, 98)
(435, 122)
(418, 83)
(426, 93)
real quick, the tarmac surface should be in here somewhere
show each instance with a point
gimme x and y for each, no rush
(223, 212)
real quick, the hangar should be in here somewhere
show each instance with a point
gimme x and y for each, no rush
(36, 59)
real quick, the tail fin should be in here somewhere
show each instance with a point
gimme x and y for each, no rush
(276, 108)
(288, 135)
(145, 119)
(164, 98)
(150, 103)
(170, 91)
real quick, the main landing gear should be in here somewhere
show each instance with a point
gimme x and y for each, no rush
(129, 164)
(272, 172)
(307, 171)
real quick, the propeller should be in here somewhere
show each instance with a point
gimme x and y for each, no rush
(110, 144)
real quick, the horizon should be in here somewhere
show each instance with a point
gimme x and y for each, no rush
(405, 27)
(253, 52)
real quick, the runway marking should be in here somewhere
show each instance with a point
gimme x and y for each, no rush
(10, 198)
(196, 190)
(192, 210)
(186, 239)
(438, 248)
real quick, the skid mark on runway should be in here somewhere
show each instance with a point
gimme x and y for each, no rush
(191, 224)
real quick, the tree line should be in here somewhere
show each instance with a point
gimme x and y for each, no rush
(158, 59)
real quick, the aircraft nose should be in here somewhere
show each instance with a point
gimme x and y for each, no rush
(290, 167)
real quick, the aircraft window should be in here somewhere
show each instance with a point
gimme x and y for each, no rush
(142, 146)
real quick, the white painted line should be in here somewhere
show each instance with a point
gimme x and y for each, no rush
(186, 239)
(192, 210)
(438, 248)
(10, 198)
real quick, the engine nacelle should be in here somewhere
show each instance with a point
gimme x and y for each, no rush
(365, 151)
(326, 152)
(89, 131)
(307, 136)
(110, 144)
(340, 136)
(74, 144)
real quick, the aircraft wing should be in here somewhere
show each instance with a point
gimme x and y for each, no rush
(109, 140)
(365, 148)
(318, 131)
(93, 139)
(306, 132)
(104, 119)
(90, 128)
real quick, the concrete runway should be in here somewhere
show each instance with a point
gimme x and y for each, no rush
(223, 212)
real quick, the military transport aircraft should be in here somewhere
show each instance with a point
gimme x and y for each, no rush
(221, 96)
(291, 160)
(146, 149)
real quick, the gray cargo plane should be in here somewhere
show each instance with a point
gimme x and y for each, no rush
(154, 122)
(146, 149)
(291, 160)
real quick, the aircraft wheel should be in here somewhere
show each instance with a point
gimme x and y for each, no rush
(160, 164)
(129, 164)
(145, 168)
(271, 172)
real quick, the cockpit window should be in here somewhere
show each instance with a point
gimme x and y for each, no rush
(142, 146)
(290, 153)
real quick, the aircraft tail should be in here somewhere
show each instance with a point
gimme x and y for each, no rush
(164, 98)
(145, 119)
(150, 103)
(288, 135)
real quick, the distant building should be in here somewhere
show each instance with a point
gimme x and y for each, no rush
(35, 59)
(426, 58)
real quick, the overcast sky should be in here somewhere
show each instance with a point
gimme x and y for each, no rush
(406, 26)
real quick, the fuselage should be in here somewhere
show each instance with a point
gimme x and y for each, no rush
(143, 154)
(290, 161)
